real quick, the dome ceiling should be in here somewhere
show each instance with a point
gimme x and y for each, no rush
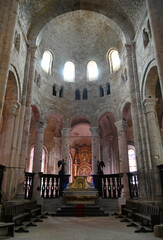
(35, 14)
(79, 36)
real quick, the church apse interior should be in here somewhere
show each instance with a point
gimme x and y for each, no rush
(81, 86)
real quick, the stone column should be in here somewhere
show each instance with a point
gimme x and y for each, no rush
(156, 21)
(95, 148)
(26, 114)
(6, 146)
(8, 13)
(123, 154)
(137, 120)
(156, 150)
(66, 148)
(38, 146)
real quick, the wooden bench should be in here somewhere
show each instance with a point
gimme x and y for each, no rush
(129, 208)
(147, 215)
(15, 213)
(33, 208)
(9, 226)
(143, 216)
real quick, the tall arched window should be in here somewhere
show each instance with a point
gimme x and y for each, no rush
(46, 62)
(69, 71)
(92, 71)
(114, 60)
(132, 158)
(31, 158)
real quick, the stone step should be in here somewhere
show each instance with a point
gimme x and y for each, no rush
(80, 210)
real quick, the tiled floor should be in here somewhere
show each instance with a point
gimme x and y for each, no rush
(86, 228)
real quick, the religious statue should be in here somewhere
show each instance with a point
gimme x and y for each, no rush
(100, 165)
(61, 163)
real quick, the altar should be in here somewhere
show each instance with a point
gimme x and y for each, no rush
(80, 191)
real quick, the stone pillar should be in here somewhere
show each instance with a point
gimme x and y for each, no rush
(38, 146)
(66, 148)
(26, 113)
(136, 113)
(156, 21)
(123, 154)
(8, 13)
(156, 150)
(6, 146)
(95, 148)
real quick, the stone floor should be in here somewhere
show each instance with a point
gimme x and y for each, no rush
(86, 228)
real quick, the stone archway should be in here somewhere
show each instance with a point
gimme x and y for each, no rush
(80, 148)
(109, 143)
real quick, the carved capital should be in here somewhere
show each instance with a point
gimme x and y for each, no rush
(40, 126)
(121, 125)
(149, 104)
(11, 106)
(66, 132)
(94, 131)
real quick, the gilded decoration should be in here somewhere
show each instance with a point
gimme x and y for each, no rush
(82, 162)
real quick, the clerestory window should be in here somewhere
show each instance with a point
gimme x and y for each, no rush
(92, 71)
(114, 60)
(46, 62)
(69, 71)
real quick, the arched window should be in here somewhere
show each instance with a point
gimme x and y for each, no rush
(114, 60)
(101, 91)
(61, 92)
(54, 90)
(46, 62)
(69, 71)
(132, 158)
(31, 158)
(77, 94)
(85, 94)
(43, 160)
(92, 71)
(108, 88)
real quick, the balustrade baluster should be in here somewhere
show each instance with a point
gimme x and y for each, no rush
(47, 187)
(57, 188)
(43, 187)
(113, 187)
(109, 188)
(26, 186)
(104, 187)
(52, 187)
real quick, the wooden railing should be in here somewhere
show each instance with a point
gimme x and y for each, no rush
(133, 185)
(108, 186)
(52, 185)
(28, 185)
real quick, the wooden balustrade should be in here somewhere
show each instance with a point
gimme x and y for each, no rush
(109, 185)
(133, 184)
(52, 185)
(28, 185)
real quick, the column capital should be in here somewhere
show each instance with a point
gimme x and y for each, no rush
(121, 125)
(40, 126)
(66, 132)
(149, 104)
(94, 131)
(11, 106)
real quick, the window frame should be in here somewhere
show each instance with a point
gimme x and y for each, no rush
(50, 63)
(130, 166)
(71, 61)
(87, 75)
(110, 61)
